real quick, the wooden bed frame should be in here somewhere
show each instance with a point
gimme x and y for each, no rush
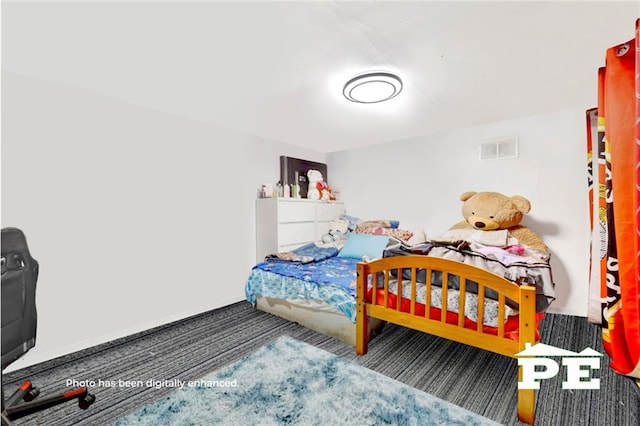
(524, 295)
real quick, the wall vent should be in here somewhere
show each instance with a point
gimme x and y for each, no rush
(498, 149)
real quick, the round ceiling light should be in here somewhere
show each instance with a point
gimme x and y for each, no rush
(372, 87)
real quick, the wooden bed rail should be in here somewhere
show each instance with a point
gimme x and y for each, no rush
(379, 273)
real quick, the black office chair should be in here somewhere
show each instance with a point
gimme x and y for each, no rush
(19, 322)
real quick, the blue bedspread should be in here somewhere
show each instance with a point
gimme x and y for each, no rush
(339, 271)
(331, 280)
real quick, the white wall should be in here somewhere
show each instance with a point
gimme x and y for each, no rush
(419, 182)
(136, 217)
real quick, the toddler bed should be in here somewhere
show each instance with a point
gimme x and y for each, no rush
(453, 300)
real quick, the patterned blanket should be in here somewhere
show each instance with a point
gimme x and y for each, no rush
(308, 253)
(331, 280)
(528, 271)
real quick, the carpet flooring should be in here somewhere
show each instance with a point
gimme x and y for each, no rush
(479, 381)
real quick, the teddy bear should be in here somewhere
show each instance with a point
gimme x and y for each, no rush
(487, 211)
(338, 230)
(318, 188)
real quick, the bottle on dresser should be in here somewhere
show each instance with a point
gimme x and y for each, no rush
(295, 188)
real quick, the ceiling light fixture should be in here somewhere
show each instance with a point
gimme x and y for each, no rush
(372, 87)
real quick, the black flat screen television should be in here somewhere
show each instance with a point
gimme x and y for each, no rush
(289, 166)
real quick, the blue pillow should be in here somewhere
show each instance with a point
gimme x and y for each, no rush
(360, 245)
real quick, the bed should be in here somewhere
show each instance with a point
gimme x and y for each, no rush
(436, 296)
(318, 294)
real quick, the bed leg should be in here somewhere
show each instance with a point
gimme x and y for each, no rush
(526, 397)
(362, 329)
(526, 405)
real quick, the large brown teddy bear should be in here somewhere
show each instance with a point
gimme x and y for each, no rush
(488, 211)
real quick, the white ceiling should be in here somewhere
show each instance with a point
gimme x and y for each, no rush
(276, 70)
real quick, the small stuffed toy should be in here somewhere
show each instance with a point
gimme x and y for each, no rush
(327, 193)
(338, 230)
(487, 211)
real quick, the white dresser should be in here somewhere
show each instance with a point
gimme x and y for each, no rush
(283, 224)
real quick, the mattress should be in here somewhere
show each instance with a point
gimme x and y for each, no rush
(316, 315)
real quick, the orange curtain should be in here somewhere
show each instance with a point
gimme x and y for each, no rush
(618, 211)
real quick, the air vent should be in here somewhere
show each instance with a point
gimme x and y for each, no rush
(498, 149)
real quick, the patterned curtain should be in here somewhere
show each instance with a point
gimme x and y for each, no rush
(614, 163)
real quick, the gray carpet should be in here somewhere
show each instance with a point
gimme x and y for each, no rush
(477, 380)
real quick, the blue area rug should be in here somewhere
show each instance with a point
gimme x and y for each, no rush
(290, 382)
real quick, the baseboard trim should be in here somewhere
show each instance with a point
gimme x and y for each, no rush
(34, 357)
